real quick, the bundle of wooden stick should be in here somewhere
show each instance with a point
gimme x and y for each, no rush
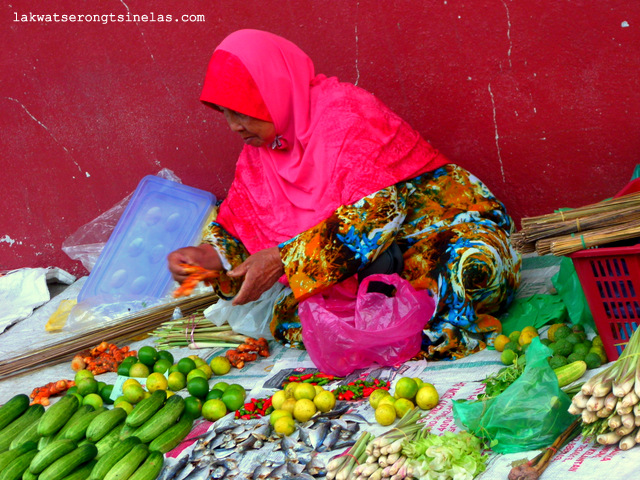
(565, 232)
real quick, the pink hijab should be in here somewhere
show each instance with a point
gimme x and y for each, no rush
(336, 143)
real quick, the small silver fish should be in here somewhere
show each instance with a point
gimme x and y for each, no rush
(330, 440)
(315, 466)
(318, 434)
(219, 473)
(199, 473)
(262, 471)
(279, 472)
(177, 465)
(221, 453)
(355, 417)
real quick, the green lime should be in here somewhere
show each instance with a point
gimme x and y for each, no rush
(105, 393)
(165, 355)
(148, 355)
(80, 374)
(233, 399)
(581, 349)
(198, 387)
(507, 357)
(221, 386)
(557, 361)
(193, 406)
(72, 390)
(562, 332)
(577, 328)
(174, 368)
(87, 386)
(94, 400)
(573, 338)
(597, 341)
(123, 369)
(592, 360)
(185, 365)
(213, 410)
(220, 365)
(130, 360)
(177, 381)
(162, 365)
(546, 342)
(213, 394)
(561, 347)
(513, 346)
(575, 356)
(239, 388)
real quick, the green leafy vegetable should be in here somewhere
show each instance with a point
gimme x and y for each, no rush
(441, 457)
(498, 382)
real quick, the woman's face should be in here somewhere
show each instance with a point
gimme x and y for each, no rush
(254, 132)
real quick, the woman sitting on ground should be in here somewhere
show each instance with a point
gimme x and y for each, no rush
(331, 186)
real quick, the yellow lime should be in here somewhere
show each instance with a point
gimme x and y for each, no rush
(221, 386)
(157, 381)
(185, 365)
(325, 401)
(500, 342)
(197, 360)
(139, 370)
(318, 389)
(198, 387)
(419, 381)
(123, 404)
(290, 388)
(515, 335)
(402, 406)
(304, 390)
(176, 381)
(526, 336)
(376, 395)
(551, 333)
(206, 369)
(214, 409)
(277, 399)
(387, 400)
(289, 404)
(284, 426)
(406, 387)
(80, 374)
(276, 414)
(130, 381)
(427, 397)
(93, 399)
(196, 372)
(304, 409)
(385, 414)
(133, 393)
(220, 365)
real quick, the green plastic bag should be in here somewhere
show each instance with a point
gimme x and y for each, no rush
(567, 284)
(536, 311)
(530, 414)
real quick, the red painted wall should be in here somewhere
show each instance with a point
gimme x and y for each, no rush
(541, 99)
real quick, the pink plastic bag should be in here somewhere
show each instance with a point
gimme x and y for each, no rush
(343, 332)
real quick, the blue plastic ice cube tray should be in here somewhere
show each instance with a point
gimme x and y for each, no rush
(161, 216)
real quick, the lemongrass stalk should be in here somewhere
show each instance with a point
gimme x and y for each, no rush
(574, 410)
(198, 345)
(601, 389)
(397, 465)
(371, 459)
(638, 435)
(580, 400)
(377, 475)
(588, 416)
(620, 410)
(630, 399)
(614, 422)
(609, 438)
(369, 469)
(604, 413)
(610, 401)
(636, 409)
(627, 442)
(623, 431)
(382, 461)
(628, 420)
(595, 403)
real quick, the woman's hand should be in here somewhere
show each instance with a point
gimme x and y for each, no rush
(260, 271)
(203, 255)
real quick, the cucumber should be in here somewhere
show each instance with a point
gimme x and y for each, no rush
(128, 464)
(78, 429)
(17, 467)
(570, 373)
(11, 431)
(69, 463)
(104, 423)
(57, 415)
(171, 438)
(163, 419)
(44, 441)
(10, 455)
(81, 473)
(151, 467)
(29, 434)
(82, 410)
(113, 456)
(27, 475)
(52, 452)
(11, 410)
(109, 441)
(144, 410)
(127, 431)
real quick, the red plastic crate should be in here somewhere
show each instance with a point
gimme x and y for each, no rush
(610, 278)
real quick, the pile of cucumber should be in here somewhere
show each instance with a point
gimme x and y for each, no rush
(70, 441)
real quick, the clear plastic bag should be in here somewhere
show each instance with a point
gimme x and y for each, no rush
(344, 331)
(86, 243)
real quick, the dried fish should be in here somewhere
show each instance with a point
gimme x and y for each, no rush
(318, 434)
(169, 471)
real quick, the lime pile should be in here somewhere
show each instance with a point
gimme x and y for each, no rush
(515, 344)
(569, 343)
(408, 393)
(298, 401)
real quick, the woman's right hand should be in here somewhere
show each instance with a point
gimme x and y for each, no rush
(203, 255)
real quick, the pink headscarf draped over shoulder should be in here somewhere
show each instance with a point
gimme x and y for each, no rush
(336, 143)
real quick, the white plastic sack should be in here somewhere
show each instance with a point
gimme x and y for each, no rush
(251, 319)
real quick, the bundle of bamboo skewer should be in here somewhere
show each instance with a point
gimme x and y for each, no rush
(124, 328)
(566, 232)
